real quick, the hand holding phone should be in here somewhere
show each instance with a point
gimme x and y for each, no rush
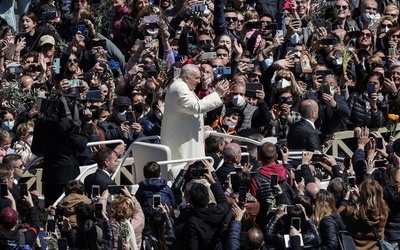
(273, 180)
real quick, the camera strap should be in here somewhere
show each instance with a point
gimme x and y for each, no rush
(75, 119)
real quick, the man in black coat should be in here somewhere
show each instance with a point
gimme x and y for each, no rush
(107, 163)
(302, 134)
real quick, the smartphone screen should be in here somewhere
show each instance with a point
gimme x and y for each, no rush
(4, 191)
(23, 187)
(242, 194)
(51, 226)
(346, 162)
(352, 181)
(296, 223)
(98, 210)
(379, 143)
(297, 175)
(371, 89)
(156, 200)
(274, 180)
(130, 117)
(95, 191)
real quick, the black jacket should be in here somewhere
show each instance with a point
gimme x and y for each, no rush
(392, 198)
(362, 116)
(303, 136)
(224, 170)
(98, 178)
(13, 239)
(328, 228)
(203, 225)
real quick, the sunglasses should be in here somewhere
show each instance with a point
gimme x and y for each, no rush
(368, 35)
(254, 75)
(344, 7)
(396, 36)
(241, 21)
(72, 60)
(386, 25)
(228, 19)
(204, 42)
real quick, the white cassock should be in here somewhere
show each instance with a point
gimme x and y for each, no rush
(182, 126)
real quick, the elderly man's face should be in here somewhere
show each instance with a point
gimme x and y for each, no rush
(396, 75)
(193, 79)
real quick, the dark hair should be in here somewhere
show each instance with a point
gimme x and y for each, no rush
(31, 16)
(306, 202)
(212, 143)
(5, 30)
(84, 212)
(199, 196)
(87, 236)
(74, 187)
(151, 170)
(9, 159)
(156, 223)
(222, 47)
(267, 153)
(239, 113)
(102, 155)
(243, 179)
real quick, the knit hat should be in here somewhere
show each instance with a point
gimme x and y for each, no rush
(8, 218)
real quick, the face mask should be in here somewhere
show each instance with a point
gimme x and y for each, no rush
(295, 38)
(283, 83)
(384, 30)
(8, 126)
(139, 107)
(228, 123)
(297, 54)
(29, 139)
(175, 53)
(159, 116)
(338, 61)
(121, 116)
(238, 101)
(367, 17)
(268, 62)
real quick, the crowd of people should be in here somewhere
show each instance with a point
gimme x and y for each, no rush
(289, 74)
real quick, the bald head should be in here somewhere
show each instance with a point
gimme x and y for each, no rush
(232, 153)
(309, 110)
(268, 153)
(255, 238)
(312, 190)
(26, 82)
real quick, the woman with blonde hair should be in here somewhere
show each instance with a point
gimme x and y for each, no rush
(22, 147)
(127, 221)
(327, 220)
(368, 211)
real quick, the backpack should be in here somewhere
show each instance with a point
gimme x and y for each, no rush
(149, 243)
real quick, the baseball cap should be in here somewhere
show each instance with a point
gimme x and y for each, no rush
(46, 39)
(122, 101)
(8, 217)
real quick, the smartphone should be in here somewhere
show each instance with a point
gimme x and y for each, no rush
(279, 33)
(99, 43)
(199, 7)
(380, 163)
(23, 187)
(326, 89)
(392, 52)
(297, 175)
(321, 23)
(95, 191)
(51, 225)
(271, 26)
(83, 30)
(156, 200)
(87, 77)
(130, 117)
(74, 83)
(254, 25)
(16, 70)
(379, 143)
(296, 223)
(317, 157)
(208, 56)
(251, 89)
(323, 73)
(287, 207)
(371, 89)
(387, 75)
(4, 190)
(62, 244)
(273, 180)
(115, 189)
(152, 44)
(352, 181)
(57, 65)
(151, 22)
(328, 41)
(346, 162)
(197, 173)
(242, 194)
(98, 210)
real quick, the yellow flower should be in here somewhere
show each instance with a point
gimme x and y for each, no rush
(393, 117)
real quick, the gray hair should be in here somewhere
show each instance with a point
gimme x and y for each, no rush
(187, 70)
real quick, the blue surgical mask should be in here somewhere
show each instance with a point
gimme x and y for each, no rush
(8, 126)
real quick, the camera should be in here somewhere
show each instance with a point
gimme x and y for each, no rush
(49, 15)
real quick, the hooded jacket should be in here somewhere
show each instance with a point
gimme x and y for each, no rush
(148, 188)
(69, 203)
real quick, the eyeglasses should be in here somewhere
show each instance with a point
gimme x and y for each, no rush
(204, 42)
(344, 7)
(254, 75)
(20, 167)
(72, 60)
(387, 25)
(396, 36)
(228, 19)
(368, 35)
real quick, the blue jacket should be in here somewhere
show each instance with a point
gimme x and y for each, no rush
(150, 187)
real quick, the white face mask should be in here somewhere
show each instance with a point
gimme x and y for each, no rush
(238, 101)
(338, 61)
(283, 83)
(121, 116)
(29, 139)
(371, 17)
(295, 38)
(297, 54)
(228, 123)
(268, 62)
(8, 126)
(159, 116)
(384, 30)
